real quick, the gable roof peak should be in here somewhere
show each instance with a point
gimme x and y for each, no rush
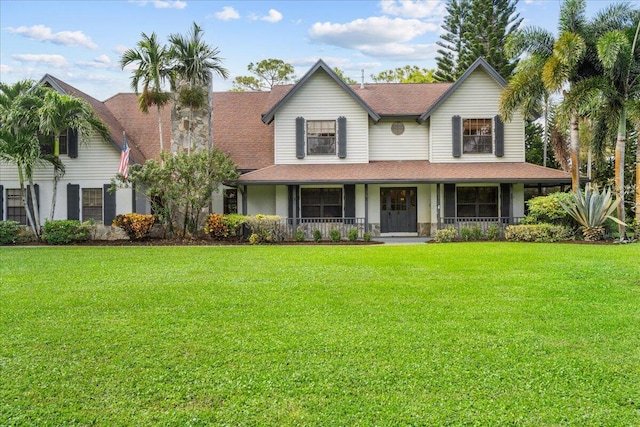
(319, 65)
(478, 63)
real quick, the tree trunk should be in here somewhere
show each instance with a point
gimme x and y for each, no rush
(619, 171)
(575, 153)
(36, 207)
(638, 182)
(56, 174)
(23, 194)
(160, 132)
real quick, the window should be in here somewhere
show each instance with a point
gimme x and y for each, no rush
(230, 201)
(46, 143)
(477, 202)
(477, 136)
(321, 202)
(92, 204)
(15, 207)
(321, 137)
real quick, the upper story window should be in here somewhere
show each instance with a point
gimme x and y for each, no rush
(46, 143)
(321, 137)
(477, 136)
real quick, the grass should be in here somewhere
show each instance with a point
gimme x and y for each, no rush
(458, 334)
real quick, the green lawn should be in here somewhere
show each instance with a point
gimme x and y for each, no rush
(488, 334)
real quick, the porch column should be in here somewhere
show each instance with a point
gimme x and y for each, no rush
(438, 213)
(366, 208)
(243, 190)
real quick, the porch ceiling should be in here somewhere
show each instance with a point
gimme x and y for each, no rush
(407, 171)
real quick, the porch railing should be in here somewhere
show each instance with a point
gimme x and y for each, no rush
(483, 222)
(325, 225)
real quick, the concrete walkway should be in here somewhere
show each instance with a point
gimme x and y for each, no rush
(402, 240)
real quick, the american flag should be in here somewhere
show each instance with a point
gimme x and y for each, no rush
(123, 168)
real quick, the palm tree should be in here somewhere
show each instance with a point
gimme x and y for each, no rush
(60, 112)
(151, 73)
(19, 143)
(193, 63)
(617, 52)
(525, 89)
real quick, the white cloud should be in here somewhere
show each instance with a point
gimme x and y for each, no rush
(5, 69)
(228, 13)
(66, 38)
(434, 9)
(102, 61)
(57, 61)
(162, 4)
(120, 49)
(273, 17)
(369, 32)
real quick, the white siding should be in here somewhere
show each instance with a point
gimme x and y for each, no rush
(413, 144)
(96, 164)
(321, 98)
(476, 97)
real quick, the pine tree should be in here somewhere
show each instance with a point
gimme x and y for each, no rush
(473, 29)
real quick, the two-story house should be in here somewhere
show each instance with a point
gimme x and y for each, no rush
(389, 158)
(398, 158)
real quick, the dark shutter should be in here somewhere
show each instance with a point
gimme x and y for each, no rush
(72, 143)
(73, 201)
(505, 189)
(342, 137)
(350, 201)
(109, 200)
(499, 135)
(1, 203)
(456, 135)
(300, 137)
(449, 200)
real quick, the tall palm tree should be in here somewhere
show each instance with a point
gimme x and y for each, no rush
(60, 112)
(151, 60)
(193, 63)
(525, 89)
(19, 143)
(617, 52)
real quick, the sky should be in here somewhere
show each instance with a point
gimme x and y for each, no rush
(81, 42)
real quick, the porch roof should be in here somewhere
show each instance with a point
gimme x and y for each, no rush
(406, 171)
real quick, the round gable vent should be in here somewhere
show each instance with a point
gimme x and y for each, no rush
(397, 128)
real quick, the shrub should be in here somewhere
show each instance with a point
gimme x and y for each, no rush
(471, 233)
(445, 235)
(235, 223)
(9, 232)
(135, 225)
(62, 232)
(592, 209)
(544, 233)
(254, 239)
(216, 226)
(494, 232)
(548, 210)
(366, 237)
(317, 235)
(299, 236)
(353, 234)
(266, 227)
(334, 235)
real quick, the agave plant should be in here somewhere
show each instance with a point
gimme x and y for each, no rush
(591, 209)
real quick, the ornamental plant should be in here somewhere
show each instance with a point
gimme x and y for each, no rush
(334, 235)
(591, 208)
(216, 226)
(137, 226)
(62, 232)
